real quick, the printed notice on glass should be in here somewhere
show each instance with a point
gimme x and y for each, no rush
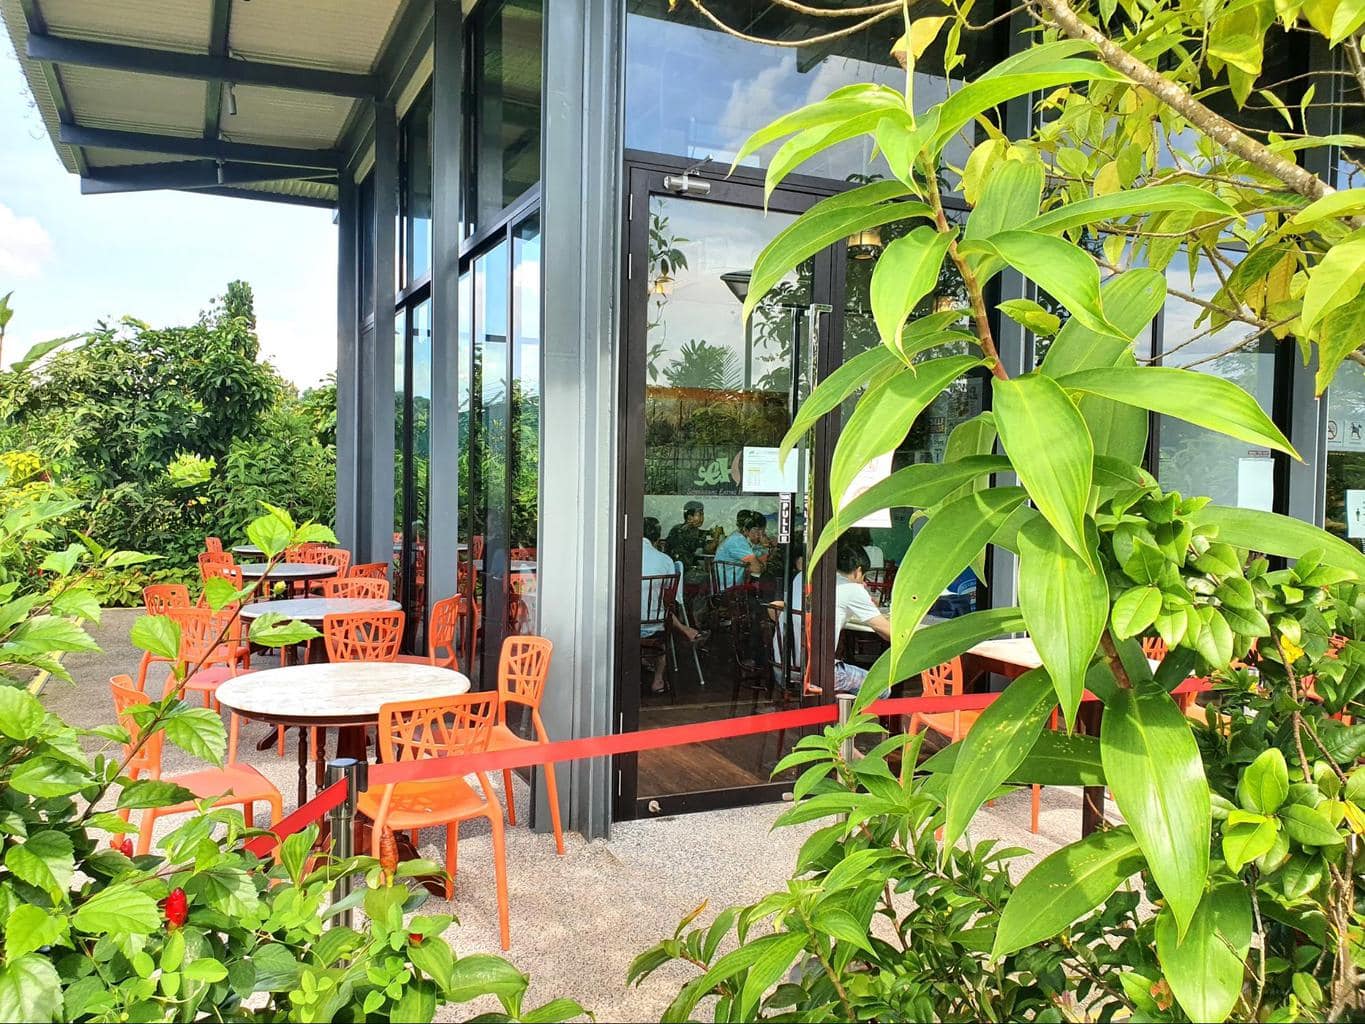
(1256, 483)
(1355, 514)
(764, 474)
(873, 473)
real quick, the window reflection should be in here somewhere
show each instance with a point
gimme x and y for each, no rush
(1346, 455)
(416, 230)
(524, 466)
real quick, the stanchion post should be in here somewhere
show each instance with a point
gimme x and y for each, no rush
(342, 819)
(845, 702)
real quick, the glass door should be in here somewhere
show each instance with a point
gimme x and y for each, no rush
(711, 549)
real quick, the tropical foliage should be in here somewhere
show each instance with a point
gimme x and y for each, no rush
(1242, 818)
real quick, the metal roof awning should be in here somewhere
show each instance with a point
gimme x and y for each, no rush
(260, 98)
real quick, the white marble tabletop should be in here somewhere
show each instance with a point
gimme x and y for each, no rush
(313, 609)
(348, 692)
(247, 550)
(288, 570)
(1019, 650)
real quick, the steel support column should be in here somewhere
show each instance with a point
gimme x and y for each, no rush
(580, 522)
(348, 368)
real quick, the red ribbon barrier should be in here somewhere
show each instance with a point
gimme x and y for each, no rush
(297, 821)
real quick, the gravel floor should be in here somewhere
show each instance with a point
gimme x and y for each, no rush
(578, 920)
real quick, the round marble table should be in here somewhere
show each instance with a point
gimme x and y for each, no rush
(313, 609)
(295, 575)
(345, 696)
(247, 551)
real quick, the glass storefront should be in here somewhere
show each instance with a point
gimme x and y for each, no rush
(1345, 507)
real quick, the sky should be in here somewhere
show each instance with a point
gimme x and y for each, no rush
(72, 260)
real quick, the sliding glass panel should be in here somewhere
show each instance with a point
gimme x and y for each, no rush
(468, 581)
(400, 462)
(524, 498)
(419, 411)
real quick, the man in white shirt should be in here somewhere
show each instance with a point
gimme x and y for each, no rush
(654, 562)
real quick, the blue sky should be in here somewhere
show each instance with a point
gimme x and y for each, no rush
(160, 256)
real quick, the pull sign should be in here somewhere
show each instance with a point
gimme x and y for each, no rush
(784, 519)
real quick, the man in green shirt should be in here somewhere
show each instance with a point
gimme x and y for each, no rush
(688, 538)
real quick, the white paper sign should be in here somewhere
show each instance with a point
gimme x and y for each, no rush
(1355, 514)
(762, 473)
(1346, 433)
(873, 473)
(1256, 484)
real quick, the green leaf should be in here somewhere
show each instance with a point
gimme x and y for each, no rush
(1009, 198)
(1050, 448)
(1154, 770)
(1065, 886)
(274, 630)
(1247, 839)
(1338, 337)
(152, 793)
(269, 534)
(1131, 301)
(417, 1003)
(275, 967)
(1335, 280)
(1264, 784)
(21, 714)
(1213, 637)
(840, 105)
(198, 732)
(1309, 826)
(884, 415)
(44, 777)
(996, 745)
(1198, 398)
(158, 635)
(943, 641)
(45, 859)
(1275, 534)
(1057, 759)
(922, 485)
(1334, 204)
(30, 990)
(482, 974)
(767, 969)
(30, 928)
(1205, 967)
(205, 969)
(118, 910)
(219, 593)
(942, 549)
(78, 603)
(818, 138)
(554, 1011)
(1065, 605)
(1031, 316)
(828, 221)
(44, 634)
(435, 960)
(831, 392)
(1135, 610)
(906, 272)
(1130, 203)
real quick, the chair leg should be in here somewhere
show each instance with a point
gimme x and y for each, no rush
(144, 832)
(1037, 806)
(413, 835)
(142, 668)
(500, 873)
(279, 740)
(552, 795)
(507, 793)
(452, 856)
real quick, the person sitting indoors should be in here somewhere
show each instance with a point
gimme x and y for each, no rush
(688, 539)
(852, 603)
(654, 562)
(743, 547)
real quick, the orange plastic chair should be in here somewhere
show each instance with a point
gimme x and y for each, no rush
(522, 554)
(211, 559)
(370, 570)
(338, 558)
(520, 586)
(522, 671)
(213, 545)
(200, 629)
(476, 546)
(223, 570)
(158, 598)
(362, 587)
(233, 784)
(363, 636)
(1153, 648)
(946, 680)
(449, 623)
(448, 727)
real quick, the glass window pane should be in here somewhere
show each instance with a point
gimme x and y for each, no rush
(695, 92)
(400, 433)
(420, 426)
(365, 247)
(416, 234)
(1346, 455)
(1193, 460)
(524, 505)
(504, 131)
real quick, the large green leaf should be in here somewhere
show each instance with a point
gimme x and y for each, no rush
(1198, 398)
(1335, 281)
(30, 990)
(1050, 447)
(825, 223)
(1009, 198)
(838, 106)
(1154, 770)
(814, 140)
(1338, 337)
(922, 485)
(1065, 886)
(1066, 272)
(1131, 300)
(996, 745)
(906, 272)
(933, 645)
(1057, 759)
(1205, 968)
(834, 389)
(1275, 534)
(941, 550)
(1131, 202)
(1118, 431)
(1065, 603)
(45, 860)
(884, 415)
(118, 910)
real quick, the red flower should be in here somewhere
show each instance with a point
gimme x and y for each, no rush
(415, 938)
(123, 846)
(176, 909)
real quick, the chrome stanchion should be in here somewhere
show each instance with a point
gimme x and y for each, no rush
(342, 819)
(845, 702)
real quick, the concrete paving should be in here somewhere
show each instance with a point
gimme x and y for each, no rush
(578, 920)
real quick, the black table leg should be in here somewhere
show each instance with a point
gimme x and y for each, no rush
(1092, 797)
(303, 766)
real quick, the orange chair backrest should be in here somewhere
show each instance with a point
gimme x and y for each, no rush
(449, 623)
(213, 545)
(339, 558)
(148, 757)
(227, 571)
(363, 636)
(943, 680)
(445, 727)
(363, 587)
(1153, 648)
(369, 570)
(211, 559)
(476, 545)
(522, 670)
(200, 630)
(522, 554)
(157, 597)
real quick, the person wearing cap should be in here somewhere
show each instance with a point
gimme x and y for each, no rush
(688, 539)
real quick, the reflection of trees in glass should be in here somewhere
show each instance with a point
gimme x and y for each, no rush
(484, 466)
(665, 260)
(700, 364)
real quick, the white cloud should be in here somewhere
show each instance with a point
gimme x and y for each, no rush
(303, 349)
(24, 246)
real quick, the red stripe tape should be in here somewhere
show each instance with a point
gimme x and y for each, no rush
(298, 820)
